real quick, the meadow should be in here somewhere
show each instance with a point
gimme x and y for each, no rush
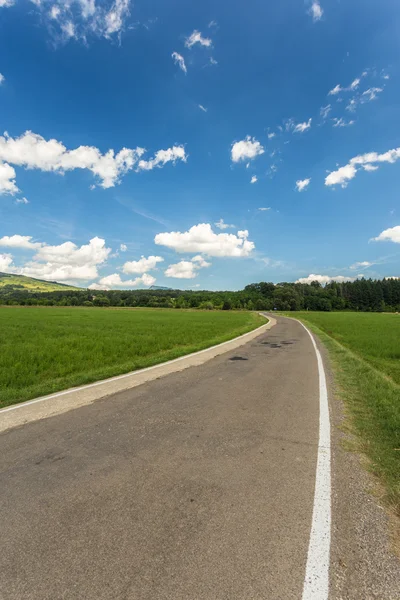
(365, 353)
(46, 349)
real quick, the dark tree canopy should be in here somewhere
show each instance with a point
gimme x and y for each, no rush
(359, 295)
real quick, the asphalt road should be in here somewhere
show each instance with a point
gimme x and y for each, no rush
(195, 486)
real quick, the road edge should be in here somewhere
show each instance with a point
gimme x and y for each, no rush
(66, 400)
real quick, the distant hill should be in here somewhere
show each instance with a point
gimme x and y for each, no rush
(159, 287)
(20, 282)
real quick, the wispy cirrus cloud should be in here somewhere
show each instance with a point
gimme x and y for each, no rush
(180, 61)
(196, 38)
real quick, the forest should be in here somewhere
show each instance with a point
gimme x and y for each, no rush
(365, 295)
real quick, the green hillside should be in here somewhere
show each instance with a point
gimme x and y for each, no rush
(8, 281)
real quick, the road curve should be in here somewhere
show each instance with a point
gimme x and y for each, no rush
(199, 485)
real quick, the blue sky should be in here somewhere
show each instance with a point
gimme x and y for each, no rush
(196, 100)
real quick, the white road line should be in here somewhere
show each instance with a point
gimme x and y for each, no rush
(131, 373)
(316, 582)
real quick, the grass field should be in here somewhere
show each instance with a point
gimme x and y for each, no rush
(365, 352)
(32, 285)
(46, 349)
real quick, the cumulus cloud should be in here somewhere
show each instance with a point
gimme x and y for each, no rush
(316, 11)
(253, 179)
(389, 235)
(365, 161)
(7, 180)
(187, 269)
(324, 279)
(123, 247)
(22, 201)
(246, 149)
(302, 184)
(162, 157)
(114, 281)
(271, 136)
(32, 151)
(202, 239)
(2, 78)
(180, 61)
(222, 225)
(197, 38)
(6, 262)
(19, 241)
(65, 262)
(6, 3)
(142, 265)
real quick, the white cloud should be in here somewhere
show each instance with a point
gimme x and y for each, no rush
(142, 265)
(201, 239)
(123, 247)
(22, 201)
(187, 269)
(271, 136)
(19, 241)
(2, 78)
(32, 151)
(162, 157)
(203, 108)
(367, 96)
(68, 29)
(180, 61)
(246, 149)
(302, 184)
(371, 93)
(344, 174)
(213, 61)
(336, 90)
(341, 122)
(197, 38)
(325, 110)
(222, 225)
(264, 208)
(316, 11)
(200, 262)
(302, 127)
(114, 281)
(7, 179)
(6, 262)
(81, 19)
(361, 265)
(389, 235)
(66, 262)
(114, 19)
(323, 279)
(254, 179)
(6, 3)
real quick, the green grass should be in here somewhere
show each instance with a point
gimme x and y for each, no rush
(365, 353)
(31, 284)
(46, 349)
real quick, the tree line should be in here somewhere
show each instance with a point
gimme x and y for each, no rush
(359, 295)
